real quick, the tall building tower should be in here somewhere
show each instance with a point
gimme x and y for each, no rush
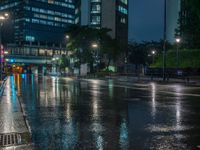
(36, 27)
(112, 14)
(173, 9)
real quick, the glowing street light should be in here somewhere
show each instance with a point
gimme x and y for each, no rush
(67, 37)
(94, 45)
(153, 54)
(178, 40)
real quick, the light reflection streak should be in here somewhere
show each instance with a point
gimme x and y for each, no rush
(7, 116)
(18, 85)
(178, 90)
(8, 90)
(69, 114)
(178, 114)
(178, 93)
(153, 95)
(100, 143)
(123, 134)
(110, 86)
(53, 87)
(13, 90)
(96, 125)
(95, 104)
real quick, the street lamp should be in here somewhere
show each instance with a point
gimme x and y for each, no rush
(153, 54)
(178, 40)
(164, 40)
(67, 37)
(95, 46)
(3, 17)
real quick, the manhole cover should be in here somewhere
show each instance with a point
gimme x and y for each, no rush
(10, 139)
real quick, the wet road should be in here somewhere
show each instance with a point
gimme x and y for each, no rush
(67, 114)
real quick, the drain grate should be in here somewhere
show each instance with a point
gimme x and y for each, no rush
(10, 139)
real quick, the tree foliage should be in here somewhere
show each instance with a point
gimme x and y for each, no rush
(82, 38)
(189, 24)
(141, 53)
(195, 6)
(188, 58)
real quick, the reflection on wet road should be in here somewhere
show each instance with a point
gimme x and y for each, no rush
(97, 114)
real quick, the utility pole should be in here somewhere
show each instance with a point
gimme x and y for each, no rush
(165, 39)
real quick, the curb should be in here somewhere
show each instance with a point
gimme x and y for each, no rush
(24, 115)
(2, 86)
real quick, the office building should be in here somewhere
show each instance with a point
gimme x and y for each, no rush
(112, 14)
(36, 28)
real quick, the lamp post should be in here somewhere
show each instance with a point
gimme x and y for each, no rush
(57, 64)
(153, 55)
(165, 39)
(95, 46)
(67, 37)
(2, 19)
(178, 40)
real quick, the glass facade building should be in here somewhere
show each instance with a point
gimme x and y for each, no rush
(37, 23)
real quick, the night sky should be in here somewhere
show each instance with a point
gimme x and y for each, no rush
(145, 20)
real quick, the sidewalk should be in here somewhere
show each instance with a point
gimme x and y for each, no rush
(13, 128)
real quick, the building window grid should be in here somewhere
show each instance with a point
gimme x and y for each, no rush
(51, 12)
(67, 3)
(95, 11)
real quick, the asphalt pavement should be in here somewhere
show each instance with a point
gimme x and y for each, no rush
(69, 114)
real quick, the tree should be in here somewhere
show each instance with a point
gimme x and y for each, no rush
(139, 52)
(81, 40)
(189, 24)
(64, 62)
(195, 6)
